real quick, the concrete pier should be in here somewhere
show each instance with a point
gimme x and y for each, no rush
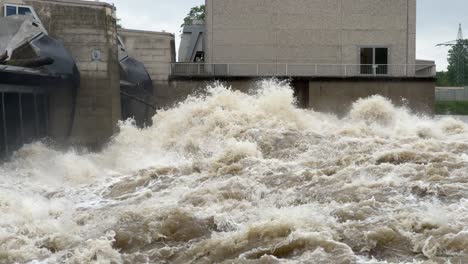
(88, 30)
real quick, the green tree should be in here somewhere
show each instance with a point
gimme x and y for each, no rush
(443, 79)
(457, 70)
(196, 13)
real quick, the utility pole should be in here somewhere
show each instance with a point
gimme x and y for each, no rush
(459, 60)
(460, 32)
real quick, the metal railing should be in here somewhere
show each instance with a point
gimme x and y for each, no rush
(452, 94)
(301, 70)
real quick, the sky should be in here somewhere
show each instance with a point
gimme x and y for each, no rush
(437, 21)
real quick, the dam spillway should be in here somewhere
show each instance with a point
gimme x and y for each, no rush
(78, 78)
(23, 119)
(33, 65)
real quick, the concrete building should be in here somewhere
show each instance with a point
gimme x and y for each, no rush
(156, 50)
(315, 31)
(192, 44)
(325, 46)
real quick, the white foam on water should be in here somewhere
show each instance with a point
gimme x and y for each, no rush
(230, 177)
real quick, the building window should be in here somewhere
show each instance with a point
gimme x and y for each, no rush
(199, 57)
(374, 61)
(10, 10)
(13, 10)
(25, 11)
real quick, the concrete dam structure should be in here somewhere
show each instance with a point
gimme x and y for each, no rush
(33, 65)
(332, 52)
(109, 84)
(253, 177)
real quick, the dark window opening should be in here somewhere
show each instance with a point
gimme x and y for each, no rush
(367, 60)
(26, 11)
(10, 10)
(381, 60)
(199, 56)
(374, 61)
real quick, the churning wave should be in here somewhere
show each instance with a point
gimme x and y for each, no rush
(230, 177)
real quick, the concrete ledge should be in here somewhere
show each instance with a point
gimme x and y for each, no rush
(136, 31)
(7, 88)
(80, 3)
(30, 78)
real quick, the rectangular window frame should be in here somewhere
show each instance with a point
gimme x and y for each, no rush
(6, 9)
(19, 10)
(377, 69)
(17, 7)
(33, 13)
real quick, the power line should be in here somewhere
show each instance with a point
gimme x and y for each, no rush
(460, 58)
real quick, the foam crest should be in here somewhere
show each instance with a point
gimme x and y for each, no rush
(374, 109)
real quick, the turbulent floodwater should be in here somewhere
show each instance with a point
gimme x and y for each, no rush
(236, 178)
(463, 118)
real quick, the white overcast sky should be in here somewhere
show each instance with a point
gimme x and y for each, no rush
(437, 21)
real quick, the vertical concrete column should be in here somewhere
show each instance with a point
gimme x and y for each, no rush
(411, 45)
(89, 31)
(209, 9)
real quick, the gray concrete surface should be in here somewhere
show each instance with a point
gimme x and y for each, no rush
(192, 41)
(84, 27)
(337, 96)
(156, 50)
(313, 31)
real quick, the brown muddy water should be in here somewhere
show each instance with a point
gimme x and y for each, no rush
(237, 178)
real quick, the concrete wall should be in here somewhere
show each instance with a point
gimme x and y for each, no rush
(191, 42)
(452, 94)
(336, 96)
(308, 31)
(329, 95)
(156, 50)
(83, 27)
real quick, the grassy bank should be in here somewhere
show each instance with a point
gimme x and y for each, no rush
(452, 108)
